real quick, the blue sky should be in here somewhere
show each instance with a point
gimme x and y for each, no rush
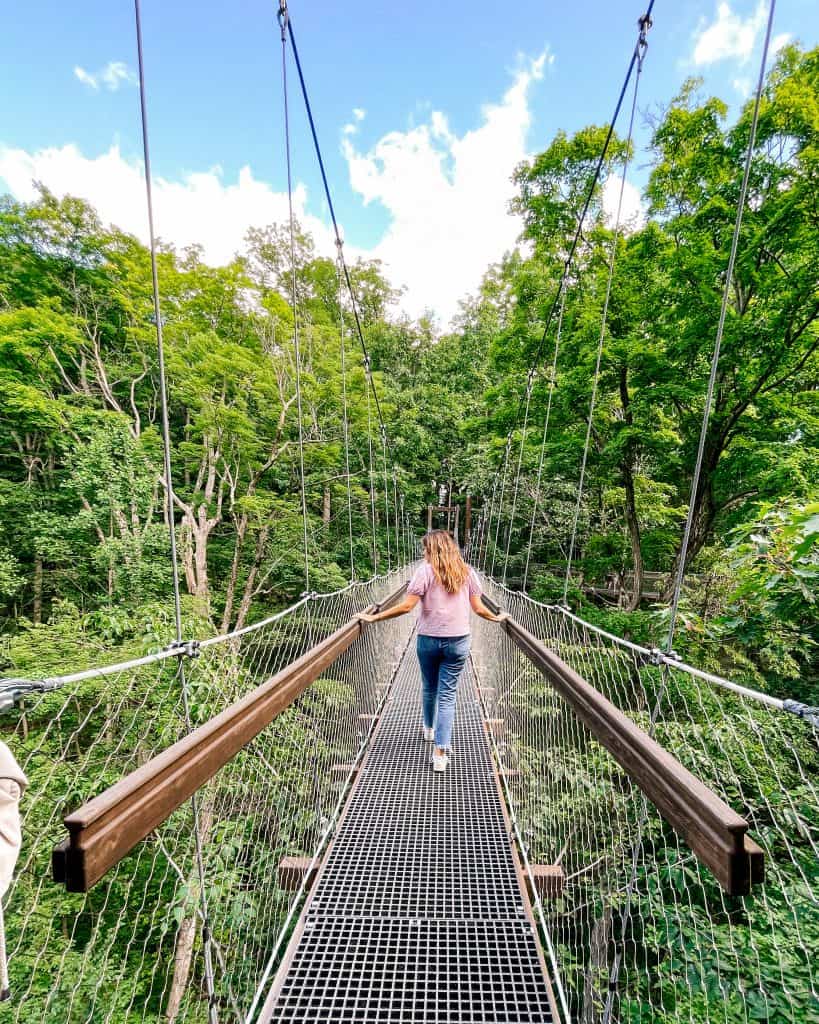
(423, 111)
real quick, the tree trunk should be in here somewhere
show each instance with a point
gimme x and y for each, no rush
(325, 510)
(633, 525)
(186, 554)
(185, 939)
(230, 594)
(37, 610)
(632, 521)
(200, 556)
(186, 936)
(595, 981)
(704, 515)
(250, 584)
(196, 531)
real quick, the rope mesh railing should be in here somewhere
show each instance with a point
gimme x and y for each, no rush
(641, 930)
(130, 949)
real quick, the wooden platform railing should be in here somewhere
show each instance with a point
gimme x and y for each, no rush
(108, 827)
(714, 832)
(105, 829)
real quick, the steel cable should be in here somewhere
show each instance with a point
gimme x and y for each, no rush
(166, 448)
(640, 51)
(283, 22)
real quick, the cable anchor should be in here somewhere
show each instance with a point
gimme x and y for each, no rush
(804, 711)
(653, 657)
(644, 24)
(184, 648)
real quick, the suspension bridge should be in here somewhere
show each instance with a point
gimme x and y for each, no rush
(244, 827)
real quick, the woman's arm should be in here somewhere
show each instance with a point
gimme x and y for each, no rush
(409, 602)
(479, 608)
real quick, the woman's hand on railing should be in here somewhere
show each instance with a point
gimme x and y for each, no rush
(366, 617)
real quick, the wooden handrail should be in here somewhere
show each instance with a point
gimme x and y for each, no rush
(108, 827)
(713, 831)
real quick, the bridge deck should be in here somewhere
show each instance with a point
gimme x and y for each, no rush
(418, 913)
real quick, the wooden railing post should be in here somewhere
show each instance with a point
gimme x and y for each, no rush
(105, 829)
(713, 831)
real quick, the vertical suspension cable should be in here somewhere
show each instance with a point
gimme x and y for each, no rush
(552, 381)
(627, 908)
(481, 533)
(642, 45)
(328, 196)
(488, 520)
(386, 497)
(169, 500)
(473, 550)
(529, 384)
(404, 547)
(368, 389)
(506, 453)
(346, 422)
(398, 559)
(283, 20)
(644, 22)
(709, 397)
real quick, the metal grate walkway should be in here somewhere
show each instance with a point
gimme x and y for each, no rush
(418, 914)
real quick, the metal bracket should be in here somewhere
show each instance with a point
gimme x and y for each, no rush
(185, 648)
(804, 711)
(653, 657)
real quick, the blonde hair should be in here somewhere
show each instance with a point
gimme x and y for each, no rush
(451, 571)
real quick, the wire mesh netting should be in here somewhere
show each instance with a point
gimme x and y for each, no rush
(131, 949)
(641, 930)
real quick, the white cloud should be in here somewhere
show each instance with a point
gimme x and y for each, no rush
(352, 127)
(202, 208)
(728, 36)
(632, 212)
(779, 41)
(447, 196)
(85, 78)
(112, 76)
(743, 86)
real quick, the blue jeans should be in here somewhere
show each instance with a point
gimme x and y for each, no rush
(442, 660)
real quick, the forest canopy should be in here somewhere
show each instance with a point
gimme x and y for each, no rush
(83, 541)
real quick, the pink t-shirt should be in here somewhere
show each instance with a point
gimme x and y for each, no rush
(442, 613)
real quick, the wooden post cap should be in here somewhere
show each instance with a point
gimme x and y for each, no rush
(293, 870)
(549, 880)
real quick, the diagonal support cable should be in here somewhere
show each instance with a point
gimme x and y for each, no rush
(644, 21)
(640, 51)
(729, 273)
(166, 449)
(354, 304)
(283, 22)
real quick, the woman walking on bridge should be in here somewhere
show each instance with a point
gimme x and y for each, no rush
(447, 588)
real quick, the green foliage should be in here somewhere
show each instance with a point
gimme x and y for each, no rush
(771, 609)
(84, 565)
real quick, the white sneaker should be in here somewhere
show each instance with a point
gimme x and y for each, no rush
(439, 762)
(429, 733)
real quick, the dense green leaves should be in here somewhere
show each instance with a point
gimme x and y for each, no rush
(84, 549)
